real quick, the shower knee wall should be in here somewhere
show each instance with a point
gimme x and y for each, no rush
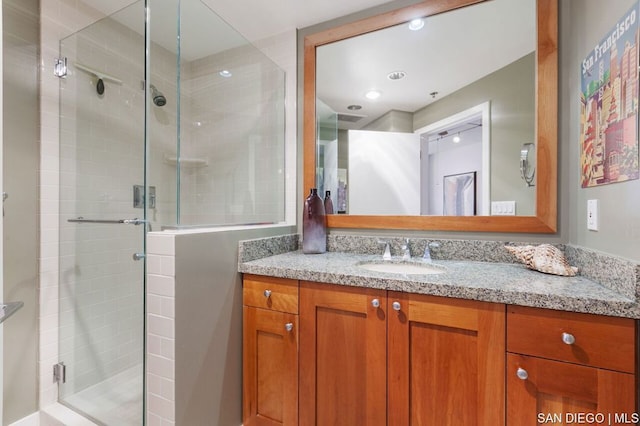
(194, 299)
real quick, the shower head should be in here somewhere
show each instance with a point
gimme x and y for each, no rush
(157, 96)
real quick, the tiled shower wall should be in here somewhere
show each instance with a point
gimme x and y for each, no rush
(232, 155)
(59, 19)
(160, 374)
(232, 127)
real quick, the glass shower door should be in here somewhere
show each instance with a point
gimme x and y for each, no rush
(102, 219)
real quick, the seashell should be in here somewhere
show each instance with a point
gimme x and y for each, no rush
(544, 258)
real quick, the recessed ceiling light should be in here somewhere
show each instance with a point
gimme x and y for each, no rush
(456, 139)
(225, 73)
(416, 24)
(354, 107)
(396, 75)
(372, 94)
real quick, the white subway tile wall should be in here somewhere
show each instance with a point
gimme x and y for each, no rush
(160, 329)
(236, 126)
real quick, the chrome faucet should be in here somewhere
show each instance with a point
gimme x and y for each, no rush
(406, 255)
(427, 251)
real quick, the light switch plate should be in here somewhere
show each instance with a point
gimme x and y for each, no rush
(503, 208)
(592, 215)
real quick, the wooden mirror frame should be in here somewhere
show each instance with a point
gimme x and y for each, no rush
(545, 220)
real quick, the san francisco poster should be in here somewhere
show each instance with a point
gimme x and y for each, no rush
(609, 106)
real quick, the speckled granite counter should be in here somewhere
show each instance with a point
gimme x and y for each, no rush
(493, 281)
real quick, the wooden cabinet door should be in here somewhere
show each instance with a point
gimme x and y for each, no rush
(270, 368)
(342, 355)
(446, 361)
(541, 391)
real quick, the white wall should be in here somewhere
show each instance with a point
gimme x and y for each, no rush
(20, 239)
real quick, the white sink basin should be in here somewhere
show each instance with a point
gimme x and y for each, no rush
(403, 268)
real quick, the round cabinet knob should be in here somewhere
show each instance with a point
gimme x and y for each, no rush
(288, 326)
(396, 306)
(568, 338)
(522, 374)
(375, 303)
(267, 293)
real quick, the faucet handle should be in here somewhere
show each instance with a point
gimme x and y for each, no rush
(387, 252)
(387, 249)
(427, 250)
(427, 255)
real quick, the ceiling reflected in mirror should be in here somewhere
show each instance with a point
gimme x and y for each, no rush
(410, 69)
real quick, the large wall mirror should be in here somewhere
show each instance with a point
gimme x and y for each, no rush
(437, 116)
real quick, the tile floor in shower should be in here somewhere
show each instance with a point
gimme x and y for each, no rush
(116, 401)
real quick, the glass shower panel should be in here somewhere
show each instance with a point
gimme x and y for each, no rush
(231, 126)
(102, 159)
(162, 117)
(327, 177)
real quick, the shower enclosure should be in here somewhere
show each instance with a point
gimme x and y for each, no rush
(168, 119)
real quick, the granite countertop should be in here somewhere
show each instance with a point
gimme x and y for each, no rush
(500, 282)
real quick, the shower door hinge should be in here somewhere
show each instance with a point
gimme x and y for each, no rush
(60, 67)
(59, 373)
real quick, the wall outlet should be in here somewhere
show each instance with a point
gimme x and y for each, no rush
(503, 208)
(592, 215)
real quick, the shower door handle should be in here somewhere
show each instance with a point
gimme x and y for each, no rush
(134, 221)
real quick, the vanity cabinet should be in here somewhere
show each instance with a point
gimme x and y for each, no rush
(375, 357)
(324, 354)
(566, 367)
(270, 351)
(446, 361)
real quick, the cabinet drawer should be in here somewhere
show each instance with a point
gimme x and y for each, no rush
(594, 340)
(278, 294)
